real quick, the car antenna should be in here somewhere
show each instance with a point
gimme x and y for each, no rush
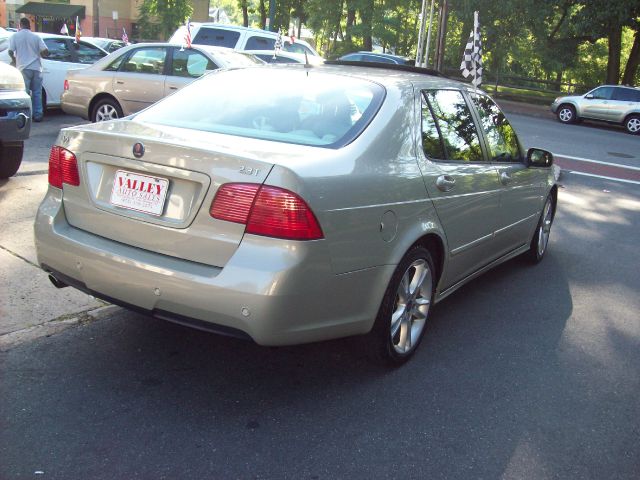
(306, 60)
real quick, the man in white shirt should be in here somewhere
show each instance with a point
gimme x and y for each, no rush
(26, 49)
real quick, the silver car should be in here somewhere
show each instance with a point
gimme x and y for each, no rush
(610, 103)
(315, 203)
(134, 77)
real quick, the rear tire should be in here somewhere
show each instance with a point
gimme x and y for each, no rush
(567, 113)
(540, 240)
(632, 124)
(404, 312)
(10, 159)
(106, 109)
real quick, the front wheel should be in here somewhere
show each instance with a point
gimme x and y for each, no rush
(106, 109)
(10, 159)
(567, 114)
(540, 239)
(404, 312)
(632, 124)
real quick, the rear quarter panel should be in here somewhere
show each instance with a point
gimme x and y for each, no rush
(369, 196)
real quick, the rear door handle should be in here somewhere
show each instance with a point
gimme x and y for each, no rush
(119, 82)
(505, 178)
(445, 183)
(173, 88)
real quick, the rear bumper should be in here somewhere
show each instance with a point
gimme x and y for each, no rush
(15, 116)
(71, 105)
(275, 292)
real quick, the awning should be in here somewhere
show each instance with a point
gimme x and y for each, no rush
(58, 10)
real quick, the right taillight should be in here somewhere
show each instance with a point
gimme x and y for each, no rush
(63, 167)
(265, 210)
(66, 84)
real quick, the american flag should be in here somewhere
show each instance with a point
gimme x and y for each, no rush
(472, 58)
(78, 31)
(125, 37)
(187, 35)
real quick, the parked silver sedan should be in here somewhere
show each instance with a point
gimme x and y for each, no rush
(315, 203)
(134, 77)
(609, 103)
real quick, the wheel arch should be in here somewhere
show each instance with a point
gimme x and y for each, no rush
(97, 98)
(433, 242)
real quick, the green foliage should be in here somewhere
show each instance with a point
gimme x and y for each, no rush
(160, 18)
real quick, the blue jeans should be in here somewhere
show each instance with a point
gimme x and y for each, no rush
(33, 85)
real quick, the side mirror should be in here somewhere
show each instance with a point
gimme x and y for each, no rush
(536, 157)
(589, 97)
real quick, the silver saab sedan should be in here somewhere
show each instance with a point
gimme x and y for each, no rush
(291, 204)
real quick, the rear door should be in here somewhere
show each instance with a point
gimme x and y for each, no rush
(623, 101)
(520, 187)
(462, 184)
(186, 65)
(140, 80)
(55, 66)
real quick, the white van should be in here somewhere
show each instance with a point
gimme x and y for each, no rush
(239, 38)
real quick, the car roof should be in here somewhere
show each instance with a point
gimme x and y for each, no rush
(233, 27)
(298, 57)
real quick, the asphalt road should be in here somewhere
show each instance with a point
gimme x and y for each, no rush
(527, 372)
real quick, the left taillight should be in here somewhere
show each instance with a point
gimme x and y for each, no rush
(63, 167)
(66, 84)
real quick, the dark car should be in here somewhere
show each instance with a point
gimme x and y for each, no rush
(376, 58)
(15, 119)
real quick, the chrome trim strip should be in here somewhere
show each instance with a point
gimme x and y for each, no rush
(517, 223)
(471, 244)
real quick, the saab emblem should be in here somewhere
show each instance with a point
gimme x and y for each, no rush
(138, 150)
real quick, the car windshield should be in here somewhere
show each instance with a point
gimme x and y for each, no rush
(236, 59)
(291, 105)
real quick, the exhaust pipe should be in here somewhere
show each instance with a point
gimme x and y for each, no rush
(57, 283)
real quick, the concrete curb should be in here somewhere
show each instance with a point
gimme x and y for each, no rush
(52, 327)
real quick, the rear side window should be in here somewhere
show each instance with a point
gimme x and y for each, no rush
(217, 37)
(88, 53)
(448, 130)
(190, 63)
(260, 43)
(626, 95)
(58, 50)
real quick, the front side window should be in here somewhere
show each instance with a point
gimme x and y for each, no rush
(448, 129)
(146, 60)
(287, 105)
(58, 50)
(602, 93)
(297, 48)
(88, 53)
(501, 137)
(217, 37)
(190, 63)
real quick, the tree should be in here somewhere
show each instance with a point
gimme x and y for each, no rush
(162, 17)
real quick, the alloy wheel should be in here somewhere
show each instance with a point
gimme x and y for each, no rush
(545, 228)
(411, 306)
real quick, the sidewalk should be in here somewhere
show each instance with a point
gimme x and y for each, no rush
(521, 108)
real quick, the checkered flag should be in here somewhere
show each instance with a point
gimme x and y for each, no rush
(278, 46)
(472, 58)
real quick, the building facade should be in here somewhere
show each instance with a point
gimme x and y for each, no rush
(97, 18)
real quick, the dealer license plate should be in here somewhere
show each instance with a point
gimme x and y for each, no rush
(141, 193)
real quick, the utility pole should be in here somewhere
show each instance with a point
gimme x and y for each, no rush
(272, 15)
(96, 19)
(442, 36)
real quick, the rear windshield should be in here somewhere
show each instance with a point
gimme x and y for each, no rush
(283, 104)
